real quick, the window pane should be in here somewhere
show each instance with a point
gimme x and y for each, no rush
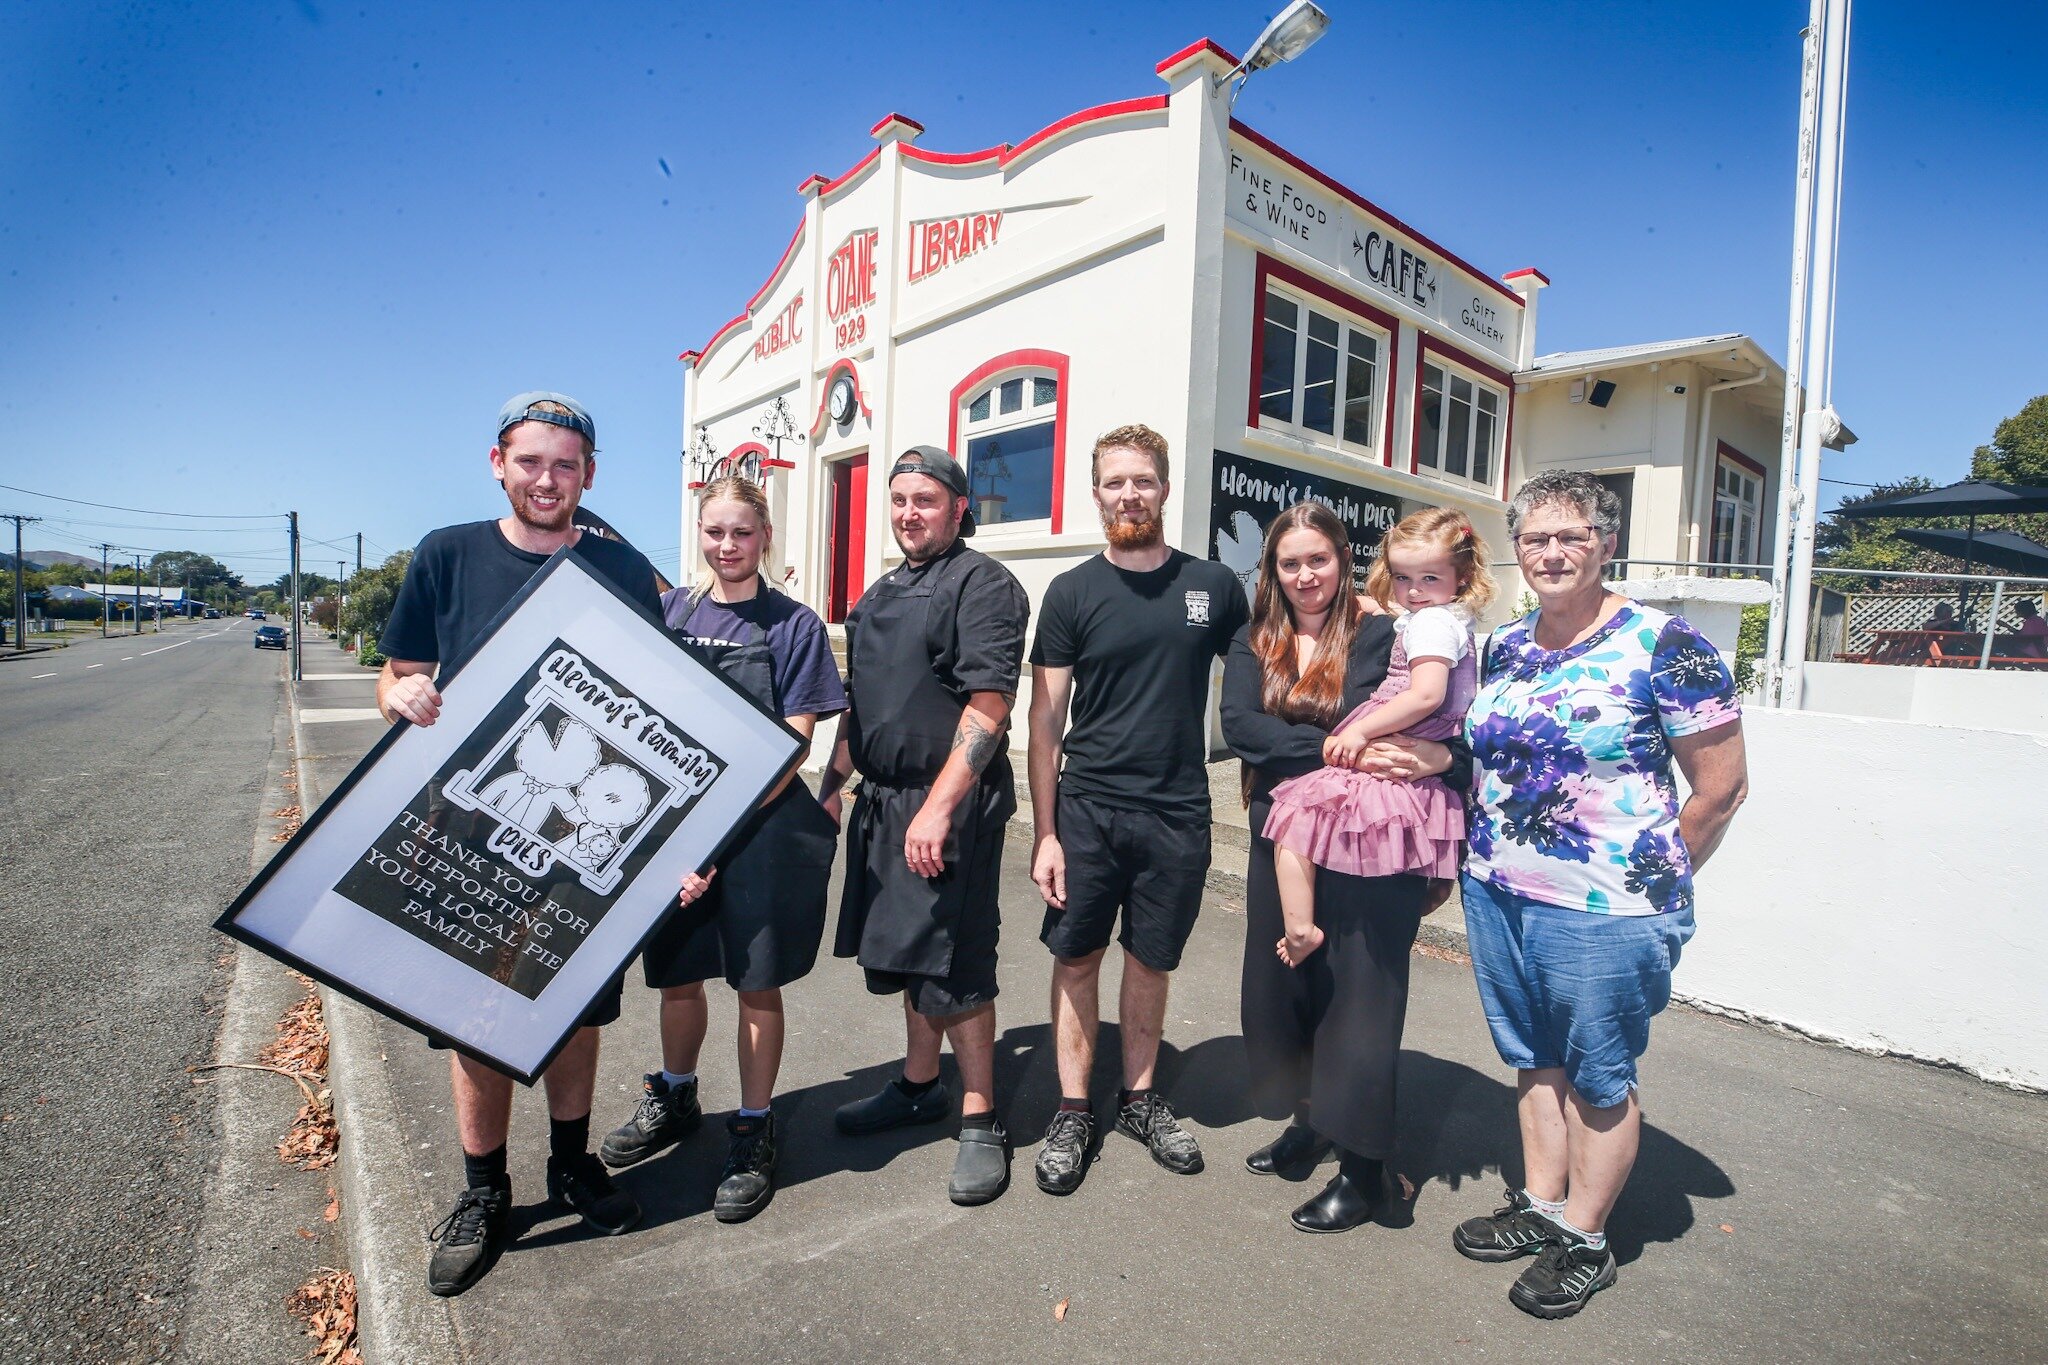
(1429, 418)
(1359, 363)
(1013, 395)
(1458, 427)
(1044, 391)
(977, 411)
(1319, 380)
(1276, 359)
(1010, 474)
(1482, 440)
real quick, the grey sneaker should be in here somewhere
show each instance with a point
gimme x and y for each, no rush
(467, 1242)
(890, 1108)
(667, 1114)
(1063, 1161)
(981, 1170)
(1150, 1120)
(1514, 1229)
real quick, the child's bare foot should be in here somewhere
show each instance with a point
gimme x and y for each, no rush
(1294, 949)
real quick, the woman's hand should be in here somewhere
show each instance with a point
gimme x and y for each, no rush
(695, 885)
(1404, 758)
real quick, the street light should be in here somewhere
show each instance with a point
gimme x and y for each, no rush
(1293, 31)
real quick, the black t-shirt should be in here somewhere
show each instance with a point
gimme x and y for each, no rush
(461, 577)
(1140, 645)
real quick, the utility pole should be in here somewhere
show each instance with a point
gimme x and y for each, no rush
(20, 584)
(295, 598)
(159, 599)
(359, 552)
(106, 595)
(138, 594)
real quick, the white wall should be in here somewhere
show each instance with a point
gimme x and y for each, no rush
(1931, 696)
(1880, 889)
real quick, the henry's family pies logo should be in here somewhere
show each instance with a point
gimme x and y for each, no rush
(581, 776)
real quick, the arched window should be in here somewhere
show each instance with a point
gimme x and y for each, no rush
(1009, 429)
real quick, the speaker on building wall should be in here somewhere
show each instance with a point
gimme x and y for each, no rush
(1603, 392)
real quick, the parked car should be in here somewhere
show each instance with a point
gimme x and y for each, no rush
(270, 637)
(213, 613)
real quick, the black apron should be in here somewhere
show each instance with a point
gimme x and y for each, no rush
(904, 720)
(792, 829)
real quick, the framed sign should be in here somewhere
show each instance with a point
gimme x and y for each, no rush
(484, 878)
(1248, 494)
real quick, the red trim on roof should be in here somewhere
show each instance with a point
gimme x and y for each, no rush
(888, 119)
(690, 357)
(813, 179)
(1199, 45)
(776, 273)
(995, 153)
(825, 394)
(1018, 360)
(1351, 303)
(858, 167)
(1145, 105)
(1266, 144)
(719, 335)
(1526, 270)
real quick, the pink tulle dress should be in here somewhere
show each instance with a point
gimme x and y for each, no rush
(1347, 821)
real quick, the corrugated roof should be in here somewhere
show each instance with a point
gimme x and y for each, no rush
(1617, 355)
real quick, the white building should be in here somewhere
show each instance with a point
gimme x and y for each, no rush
(1151, 260)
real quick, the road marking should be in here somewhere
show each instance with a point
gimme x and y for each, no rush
(146, 653)
(94, 665)
(328, 714)
(361, 675)
(33, 676)
(127, 658)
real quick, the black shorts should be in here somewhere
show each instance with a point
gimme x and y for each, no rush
(603, 1010)
(760, 923)
(1150, 866)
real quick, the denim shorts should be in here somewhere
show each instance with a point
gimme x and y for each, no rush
(1571, 989)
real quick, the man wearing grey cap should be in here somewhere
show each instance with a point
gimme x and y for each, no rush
(933, 652)
(459, 579)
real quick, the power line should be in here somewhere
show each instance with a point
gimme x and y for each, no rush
(150, 511)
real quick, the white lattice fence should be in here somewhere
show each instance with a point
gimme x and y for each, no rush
(1872, 612)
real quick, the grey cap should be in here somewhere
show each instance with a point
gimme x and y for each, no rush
(935, 463)
(521, 409)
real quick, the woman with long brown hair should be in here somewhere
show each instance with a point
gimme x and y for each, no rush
(1322, 1039)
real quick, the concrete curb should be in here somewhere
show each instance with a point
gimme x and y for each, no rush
(382, 1200)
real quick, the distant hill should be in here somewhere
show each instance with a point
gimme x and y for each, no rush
(43, 559)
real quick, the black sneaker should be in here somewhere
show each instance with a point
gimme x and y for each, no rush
(1567, 1273)
(748, 1181)
(667, 1114)
(1514, 1229)
(1151, 1122)
(582, 1184)
(468, 1240)
(1063, 1161)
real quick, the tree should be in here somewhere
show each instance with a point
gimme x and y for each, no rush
(2018, 452)
(184, 567)
(371, 594)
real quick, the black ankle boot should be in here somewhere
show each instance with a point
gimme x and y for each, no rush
(1342, 1206)
(1296, 1150)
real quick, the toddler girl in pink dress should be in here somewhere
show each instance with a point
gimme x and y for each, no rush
(1433, 567)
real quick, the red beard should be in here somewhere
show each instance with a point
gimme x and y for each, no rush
(1132, 535)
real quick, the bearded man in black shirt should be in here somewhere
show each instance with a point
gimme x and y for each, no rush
(1130, 638)
(459, 579)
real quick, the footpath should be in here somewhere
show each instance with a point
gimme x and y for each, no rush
(1793, 1202)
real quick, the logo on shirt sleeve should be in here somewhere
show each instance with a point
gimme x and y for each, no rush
(1198, 608)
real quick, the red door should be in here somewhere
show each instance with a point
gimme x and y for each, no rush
(849, 536)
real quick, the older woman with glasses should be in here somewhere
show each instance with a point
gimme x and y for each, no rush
(1578, 886)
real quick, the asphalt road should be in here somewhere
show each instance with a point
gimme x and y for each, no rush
(1793, 1202)
(133, 775)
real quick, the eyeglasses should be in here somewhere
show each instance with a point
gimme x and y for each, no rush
(1570, 539)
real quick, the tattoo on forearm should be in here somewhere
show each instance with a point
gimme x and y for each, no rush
(980, 741)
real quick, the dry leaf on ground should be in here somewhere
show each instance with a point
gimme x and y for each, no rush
(326, 1304)
(333, 1209)
(1059, 1310)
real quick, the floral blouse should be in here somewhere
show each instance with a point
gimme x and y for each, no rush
(1574, 802)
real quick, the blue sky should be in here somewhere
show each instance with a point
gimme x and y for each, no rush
(257, 256)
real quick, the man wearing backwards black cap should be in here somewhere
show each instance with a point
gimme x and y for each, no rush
(459, 579)
(933, 651)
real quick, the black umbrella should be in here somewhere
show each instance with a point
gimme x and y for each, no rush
(1997, 549)
(1971, 498)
